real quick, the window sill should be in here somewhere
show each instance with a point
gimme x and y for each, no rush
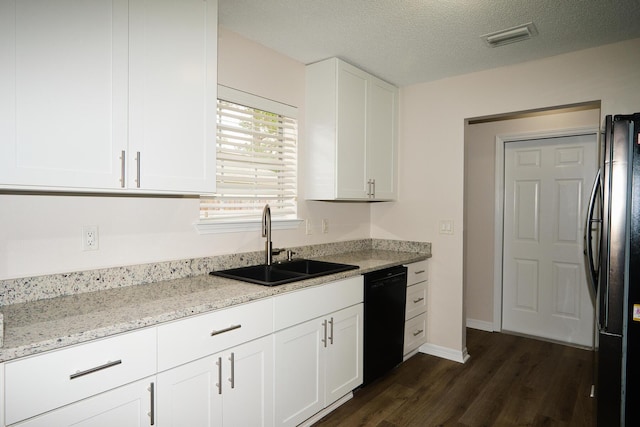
(219, 227)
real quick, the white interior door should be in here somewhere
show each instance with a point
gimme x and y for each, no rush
(547, 185)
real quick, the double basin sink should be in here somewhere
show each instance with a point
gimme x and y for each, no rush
(284, 272)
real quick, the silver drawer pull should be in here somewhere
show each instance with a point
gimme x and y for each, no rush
(324, 326)
(420, 272)
(331, 332)
(122, 166)
(138, 169)
(232, 379)
(417, 300)
(418, 332)
(219, 383)
(96, 369)
(222, 331)
(152, 413)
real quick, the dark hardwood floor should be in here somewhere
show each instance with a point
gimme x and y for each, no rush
(509, 381)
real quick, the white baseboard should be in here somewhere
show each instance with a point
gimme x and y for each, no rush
(480, 324)
(445, 352)
(317, 417)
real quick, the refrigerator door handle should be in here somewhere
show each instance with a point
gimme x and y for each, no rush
(592, 263)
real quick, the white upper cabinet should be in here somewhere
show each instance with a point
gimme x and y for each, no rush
(172, 95)
(351, 138)
(108, 95)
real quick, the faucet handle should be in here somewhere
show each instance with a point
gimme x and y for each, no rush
(290, 254)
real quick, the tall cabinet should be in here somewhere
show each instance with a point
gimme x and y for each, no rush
(351, 139)
(108, 95)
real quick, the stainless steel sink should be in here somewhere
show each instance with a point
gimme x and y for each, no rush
(285, 272)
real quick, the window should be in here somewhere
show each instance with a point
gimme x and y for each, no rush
(256, 149)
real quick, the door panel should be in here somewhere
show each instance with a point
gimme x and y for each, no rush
(545, 292)
(526, 284)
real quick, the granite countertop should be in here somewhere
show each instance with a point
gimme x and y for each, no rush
(38, 326)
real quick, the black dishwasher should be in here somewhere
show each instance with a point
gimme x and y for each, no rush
(384, 308)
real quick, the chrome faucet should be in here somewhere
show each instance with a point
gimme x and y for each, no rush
(266, 232)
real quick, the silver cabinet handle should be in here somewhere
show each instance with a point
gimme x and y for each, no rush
(152, 415)
(232, 379)
(219, 383)
(222, 331)
(373, 184)
(417, 300)
(418, 332)
(420, 272)
(138, 169)
(324, 325)
(331, 331)
(96, 369)
(122, 165)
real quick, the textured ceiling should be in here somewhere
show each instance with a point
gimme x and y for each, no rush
(412, 41)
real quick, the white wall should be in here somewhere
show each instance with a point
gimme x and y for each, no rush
(431, 154)
(41, 234)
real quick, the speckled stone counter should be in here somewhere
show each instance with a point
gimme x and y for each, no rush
(46, 324)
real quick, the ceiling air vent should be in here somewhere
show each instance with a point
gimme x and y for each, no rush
(510, 35)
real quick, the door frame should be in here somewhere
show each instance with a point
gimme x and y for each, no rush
(501, 141)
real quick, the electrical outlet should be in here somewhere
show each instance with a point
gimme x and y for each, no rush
(446, 226)
(308, 226)
(325, 226)
(90, 238)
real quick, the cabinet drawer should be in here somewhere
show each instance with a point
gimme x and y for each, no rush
(40, 383)
(300, 306)
(415, 332)
(416, 300)
(189, 339)
(417, 272)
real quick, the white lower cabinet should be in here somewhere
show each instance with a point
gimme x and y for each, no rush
(49, 381)
(415, 326)
(316, 363)
(223, 368)
(126, 406)
(230, 388)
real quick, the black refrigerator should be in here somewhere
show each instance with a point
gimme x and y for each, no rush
(613, 259)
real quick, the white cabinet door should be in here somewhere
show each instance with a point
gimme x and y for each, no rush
(173, 69)
(232, 388)
(299, 372)
(344, 353)
(248, 400)
(188, 395)
(316, 363)
(126, 406)
(63, 93)
(351, 132)
(381, 138)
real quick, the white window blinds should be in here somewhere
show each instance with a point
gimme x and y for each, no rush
(256, 148)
